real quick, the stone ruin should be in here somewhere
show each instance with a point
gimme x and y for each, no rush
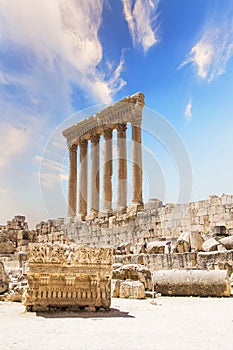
(15, 235)
(4, 279)
(201, 233)
(68, 278)
(90, 130)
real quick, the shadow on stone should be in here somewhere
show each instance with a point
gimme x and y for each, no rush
(84, 314)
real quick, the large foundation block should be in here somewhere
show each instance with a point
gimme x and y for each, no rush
(68, 277)
(214, 283)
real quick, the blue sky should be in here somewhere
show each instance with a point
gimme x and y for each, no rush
(65, 56)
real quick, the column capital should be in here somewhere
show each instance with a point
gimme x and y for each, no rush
(73, 148)
(121, 126)
(83, 142)
(136, 121)
(107, 133)
(94, 137)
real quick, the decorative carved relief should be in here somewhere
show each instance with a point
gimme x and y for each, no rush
(121, 126)
(64, 276)
(94, 137)
(73, 148)
(121, 112)
(83, 142)
(107, 133)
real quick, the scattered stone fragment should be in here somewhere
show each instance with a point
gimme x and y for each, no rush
(192, 282)
(156, 247)
(131, 289)
(210, 245)
(134, 272)
(196, 241)
(183, 243)
(227, 242)
(4, 279)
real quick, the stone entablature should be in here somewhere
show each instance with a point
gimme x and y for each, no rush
(69, 277)
(128, 110)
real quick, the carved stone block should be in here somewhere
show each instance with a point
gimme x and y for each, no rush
(68, 277)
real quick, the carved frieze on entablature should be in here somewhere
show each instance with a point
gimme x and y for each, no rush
(68, 255)
(121, 112)
(137, 98)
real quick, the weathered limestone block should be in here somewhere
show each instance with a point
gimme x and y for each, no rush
(4, 279)
(6, 247)
(192, 282)
(227, 242)
(210, 245)
(207, 259)
(62, 276)
(14, 297)
(129, 289)
(196, 241)
(221, 248)
(115, 288)
(183, 243)
(136, 248)
(133, 272)
(155, 247)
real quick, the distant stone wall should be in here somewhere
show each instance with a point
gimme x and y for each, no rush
(154, 221)
(193, 260)
(68, 277)
(15, 235)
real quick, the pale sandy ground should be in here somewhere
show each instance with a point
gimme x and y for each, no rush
(177, 323)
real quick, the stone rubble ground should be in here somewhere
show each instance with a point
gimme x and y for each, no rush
(174, 323)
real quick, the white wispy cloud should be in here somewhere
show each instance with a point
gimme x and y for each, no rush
(2, 79)
(141, 16)
(15, 140)
(188, 110)
(49, 163)
(51, 180)
(60, 42)
(6, 191)
(213, 50)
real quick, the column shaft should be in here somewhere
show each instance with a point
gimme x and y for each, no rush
(107, 173)
(136, 165)
(121, 167)
(83, 177)
(72, 181)
(95, 178)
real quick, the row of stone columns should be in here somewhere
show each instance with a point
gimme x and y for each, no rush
(107, 172)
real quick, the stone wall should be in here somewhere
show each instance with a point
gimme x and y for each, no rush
(15, 235)
(68, 277)
(154, 221)
(208, 260)
(50, 232)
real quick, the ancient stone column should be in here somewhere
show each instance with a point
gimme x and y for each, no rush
(72, 181)
(107, 173)
(83, 177)
(136, 164)
(95, 178)
(121, 168)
